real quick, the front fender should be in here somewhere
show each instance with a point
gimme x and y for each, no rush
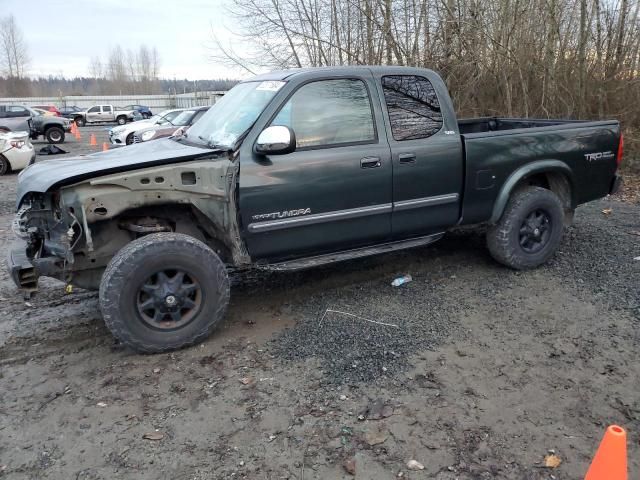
(540, 166)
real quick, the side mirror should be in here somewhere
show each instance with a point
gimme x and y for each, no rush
(276, 140)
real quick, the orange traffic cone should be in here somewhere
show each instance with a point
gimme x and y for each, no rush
(105, 147)
(610, 460)
(77, 134)
(74, 128)
(92, 140)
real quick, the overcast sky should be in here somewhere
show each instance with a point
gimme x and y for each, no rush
(63, 35)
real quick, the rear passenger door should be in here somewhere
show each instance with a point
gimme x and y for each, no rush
(107, 113)
(427, 159)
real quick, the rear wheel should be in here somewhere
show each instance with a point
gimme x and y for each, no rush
(79, 121)
(121, 120)
(5, 167)
(164, 291)
(530, 229)
(54, 135)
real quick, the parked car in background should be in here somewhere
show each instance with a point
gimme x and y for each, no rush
(105, 114)
(144, 111)
(16, 151)
(53, 129)
(15, 118)
(42, 111)
(123, 135)
(49, 108)
(184, 120)
(68, 112)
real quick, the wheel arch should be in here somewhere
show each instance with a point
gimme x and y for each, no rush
(185, 218)
(553, 175)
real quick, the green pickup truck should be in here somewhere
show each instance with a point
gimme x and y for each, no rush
(294, 169)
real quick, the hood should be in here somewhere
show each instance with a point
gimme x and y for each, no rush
(49, 174)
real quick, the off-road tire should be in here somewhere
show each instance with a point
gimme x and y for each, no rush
(80, 122)
(5, 166)
(503, 238)
(54, 135)
(129, 139)
(121, 120)
(140, 259)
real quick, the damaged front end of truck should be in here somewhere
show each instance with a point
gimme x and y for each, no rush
(75, 214)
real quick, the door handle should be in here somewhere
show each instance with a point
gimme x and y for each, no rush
(370, 162)
(407, 158)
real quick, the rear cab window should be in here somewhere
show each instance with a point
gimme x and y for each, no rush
(413, 107)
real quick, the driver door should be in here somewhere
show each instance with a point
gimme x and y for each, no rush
(93, 114)
(333, 192)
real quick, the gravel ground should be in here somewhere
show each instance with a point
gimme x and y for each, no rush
(479, 373)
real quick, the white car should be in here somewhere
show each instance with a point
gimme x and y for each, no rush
(123, 134)
(16, 151)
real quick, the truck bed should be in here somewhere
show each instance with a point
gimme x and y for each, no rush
(496, 124)
(496, 149)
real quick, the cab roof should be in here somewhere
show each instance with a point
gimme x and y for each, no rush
(283, 75)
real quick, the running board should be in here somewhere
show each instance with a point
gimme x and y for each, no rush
(315, 261)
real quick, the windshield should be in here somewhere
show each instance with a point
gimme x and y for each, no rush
(183, 118)
(164, 118)
(234, 113)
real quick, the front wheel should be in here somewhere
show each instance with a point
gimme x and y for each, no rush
(54, 135)
(164, 291)
(121, 120)
(129, 139)
(529, 231)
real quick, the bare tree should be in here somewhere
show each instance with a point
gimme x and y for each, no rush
(14, 55)
(96, 69)
(564, 58)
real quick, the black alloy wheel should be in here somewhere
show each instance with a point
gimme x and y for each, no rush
(169, 299)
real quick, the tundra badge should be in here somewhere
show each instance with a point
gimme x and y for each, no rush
(284, 214)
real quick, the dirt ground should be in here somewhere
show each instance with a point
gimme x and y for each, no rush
(481, 372)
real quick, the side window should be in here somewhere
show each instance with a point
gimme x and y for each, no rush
(106, 109)
(3, 112)
(16, 111)
(412, 103)
(93, 110)
(329, 112)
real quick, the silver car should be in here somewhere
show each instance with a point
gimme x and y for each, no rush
(15, 118)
